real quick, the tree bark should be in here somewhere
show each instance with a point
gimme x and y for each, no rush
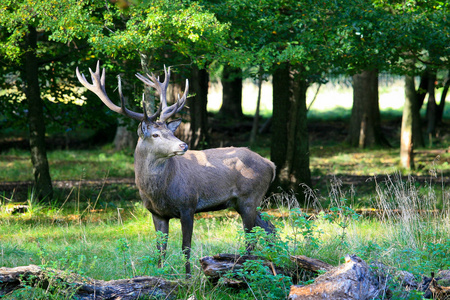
(431, 107)
(423, 88)
(406, 139)
(290, 141)
(352, 280)
(74, 286)
(43, 188)
(311, 264)
(281, 108)
(365, 123)
(440, 108)
(255, 124)
(149, 93)
(124, 139)
(231, 92)
(198, 115)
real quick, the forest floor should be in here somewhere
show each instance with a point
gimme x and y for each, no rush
(331, 158)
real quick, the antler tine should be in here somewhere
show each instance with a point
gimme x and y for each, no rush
(165, 111)
(98, 88)
(176, 107)
(161, 87)
(154, 116)
(181, 102)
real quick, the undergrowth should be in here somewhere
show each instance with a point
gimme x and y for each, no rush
(408, 229)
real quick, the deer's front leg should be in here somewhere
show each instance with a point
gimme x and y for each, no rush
(187, 226)
(161, 226)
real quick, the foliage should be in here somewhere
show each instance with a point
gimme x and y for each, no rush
(97, 243)
(262, 284)
(302, 223)
(342, 215)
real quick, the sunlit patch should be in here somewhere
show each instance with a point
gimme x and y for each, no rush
(238, 165)
(199, 157)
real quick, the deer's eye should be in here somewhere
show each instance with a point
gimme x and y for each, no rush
(155, 135)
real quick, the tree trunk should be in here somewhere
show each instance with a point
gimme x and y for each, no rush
(406, 139)
(280, 112)
(290, 141)
(124, 139)
(149, 92)
(43, 185)
(431, 107)
(255, 125)
(365, 124)
(441, 106)
(423, 88)
(231, 92)
(198, 114)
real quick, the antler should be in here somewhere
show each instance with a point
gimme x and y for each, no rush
(161, 88)
(98, 88)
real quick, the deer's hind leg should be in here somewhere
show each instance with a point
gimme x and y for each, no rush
(251, 217)
(247, 210)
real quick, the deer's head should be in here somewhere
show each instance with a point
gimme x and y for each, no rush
(154, 130)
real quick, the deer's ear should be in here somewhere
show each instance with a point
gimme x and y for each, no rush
(173, 125)
(143, 130)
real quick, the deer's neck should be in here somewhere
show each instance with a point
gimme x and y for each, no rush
(151, 171)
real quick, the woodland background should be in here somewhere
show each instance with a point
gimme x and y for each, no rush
(296, 45)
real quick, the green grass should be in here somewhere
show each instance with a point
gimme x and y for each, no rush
(343, 160)
(69, 164)
(112, 242)
(338, 159)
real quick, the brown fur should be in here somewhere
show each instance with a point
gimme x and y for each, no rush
(178, 186)
(175, 186)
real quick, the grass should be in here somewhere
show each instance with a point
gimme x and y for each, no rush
(345, 161)
(69, 164)
(338, 159)
(103, 232)
(106, 243)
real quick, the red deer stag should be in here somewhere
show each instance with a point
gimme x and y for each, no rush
(175, 182)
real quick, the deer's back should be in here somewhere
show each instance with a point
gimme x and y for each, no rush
(211, 179)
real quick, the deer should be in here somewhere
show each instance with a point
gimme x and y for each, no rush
(175, 182)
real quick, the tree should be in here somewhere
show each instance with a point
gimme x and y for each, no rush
(289, 130)
(231, 92)
(364, 49)
(177, 33)
(365, 122)
(199, 136)
(43, 184)
(407, 129)
(293, 41)
(25, 42)
(422, 36)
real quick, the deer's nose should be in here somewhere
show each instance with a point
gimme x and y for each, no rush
(184, 146)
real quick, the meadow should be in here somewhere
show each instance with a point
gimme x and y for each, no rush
(105, 240)
(361, 203)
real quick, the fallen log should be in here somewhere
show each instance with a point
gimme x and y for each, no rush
(85, 288)
(311, 264)
(352, 280)
(215, 267)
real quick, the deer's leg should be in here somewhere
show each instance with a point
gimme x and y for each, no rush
(162, 226)
(248, 214)
(187, 226)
